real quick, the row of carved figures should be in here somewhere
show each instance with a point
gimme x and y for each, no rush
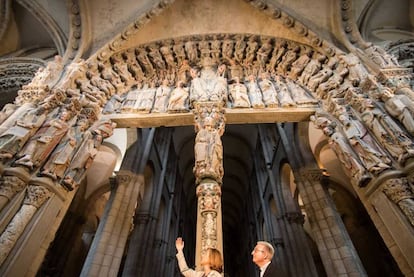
(364, 135)
(55, 142)
(263, 92)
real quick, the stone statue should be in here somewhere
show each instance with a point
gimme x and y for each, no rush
(97, 81)
(268, 91)
(191, 50)
(401, 107)
(208, 151)
(357, 72)
(238, 94)
(363, 144)
(144, 61)
(379, 56)
(156, 57)
(330, 85)
(254, 92)
(278, 51)
(388, 133)
(288, 58)
(91, 92)
(339, 144)
(322, 76)
(251, 49)
(60, 158)
(227, 47)
(44, 140)
(13, 139)
(131, 100)
(284, 96)
(178, 101)
(167, 53)
(178, 49)
(264, 52)
(161, 97)
(209, 85)
(121, 68)
(299, 65)
(215, 51)
(299, 95)
(86, 152)
(114, 104)
(145, 98)
(219, 92)
(239, 47)
(313, 67)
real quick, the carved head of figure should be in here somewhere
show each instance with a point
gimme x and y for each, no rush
(207, 62)
(209, 122)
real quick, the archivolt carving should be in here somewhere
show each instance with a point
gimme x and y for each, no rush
(403, 50)
(16, 72)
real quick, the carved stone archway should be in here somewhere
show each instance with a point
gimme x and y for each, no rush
(341, 85)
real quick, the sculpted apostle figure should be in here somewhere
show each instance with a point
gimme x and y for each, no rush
(161, 97)
(44, 140)
(86, 152)
(255, 94)
(389, 134)
(285, 99)
(400, 107)
(178, 101)
(208, 151)
(372, 157)
(339, 144)
(13, 139)
(209, 84)
(60, 158)
(268, 91)
(238, 94)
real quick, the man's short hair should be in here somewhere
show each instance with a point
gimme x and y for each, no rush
(268, 246)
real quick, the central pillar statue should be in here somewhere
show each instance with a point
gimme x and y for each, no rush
(208, 171)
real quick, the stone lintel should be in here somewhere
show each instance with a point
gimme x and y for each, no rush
(233, 116)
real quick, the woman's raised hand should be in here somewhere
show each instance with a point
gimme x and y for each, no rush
(179, 244)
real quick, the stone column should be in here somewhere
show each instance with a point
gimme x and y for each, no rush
(105, 255)
(35, 197)
(335, 246)
(208, 170)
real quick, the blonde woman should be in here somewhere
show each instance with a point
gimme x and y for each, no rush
(211, 261)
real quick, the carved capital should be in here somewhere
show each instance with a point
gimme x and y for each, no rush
(36, 196)
(397, 189)
(313, 175)
(10, 186)
(122, 178)
(141, 218)
(400, 192)
(295, 217)
(208, 194)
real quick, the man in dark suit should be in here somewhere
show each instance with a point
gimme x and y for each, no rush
(262, 257)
